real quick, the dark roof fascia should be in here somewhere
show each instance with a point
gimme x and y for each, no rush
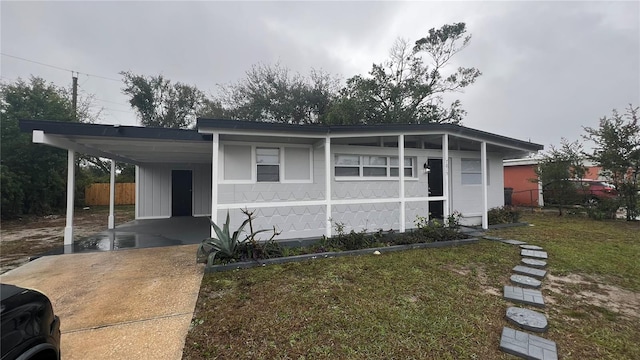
(372, 129)
(116, 131)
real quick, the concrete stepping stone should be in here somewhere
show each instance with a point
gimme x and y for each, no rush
(534, 262)
(527, 346)
(527, 281)
(534, 254)
(514, 242)
(525, 270)
(531, 247)
(527, 319)
(524, 296)
(494, 238)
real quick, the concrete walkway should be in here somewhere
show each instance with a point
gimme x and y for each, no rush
(133, 304)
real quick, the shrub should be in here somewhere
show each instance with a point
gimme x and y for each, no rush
(503, 215)
(604, 209)
(228, 248)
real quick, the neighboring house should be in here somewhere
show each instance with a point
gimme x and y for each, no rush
(520, 175)
(379, 176)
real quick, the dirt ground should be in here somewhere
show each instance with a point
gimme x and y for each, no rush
(32, 236)
(594, 291)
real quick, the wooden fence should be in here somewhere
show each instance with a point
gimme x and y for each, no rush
(98, 194)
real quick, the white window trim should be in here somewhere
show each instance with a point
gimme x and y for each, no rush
(413, 177)
(280, 163)
(254, 165)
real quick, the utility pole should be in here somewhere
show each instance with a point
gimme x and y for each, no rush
(74, 98)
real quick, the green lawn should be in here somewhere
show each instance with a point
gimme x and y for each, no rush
(432, 303)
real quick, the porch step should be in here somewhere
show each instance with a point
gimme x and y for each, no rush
(524, 296)
(527, 319)
(534, 254)
(525, 270)
(534, 262)
(527, 346)
(525, 281)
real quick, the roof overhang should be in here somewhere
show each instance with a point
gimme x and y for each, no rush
(139, 145)
(460, 137)
(130, 144)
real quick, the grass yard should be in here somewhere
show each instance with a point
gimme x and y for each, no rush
(432, 303)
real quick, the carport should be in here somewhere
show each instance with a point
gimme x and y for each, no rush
(129, 144)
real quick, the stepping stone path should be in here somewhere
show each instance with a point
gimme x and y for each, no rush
(531, 247)
(513, 242)
(525, 270)
(534, 253)
(534, 262)
(522, 295)
(527, 346)
(527, 319)
(525, 281)
(517, 342)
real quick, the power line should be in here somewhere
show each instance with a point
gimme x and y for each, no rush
(60, 68)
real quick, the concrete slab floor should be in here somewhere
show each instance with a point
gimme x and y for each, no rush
(133, 304)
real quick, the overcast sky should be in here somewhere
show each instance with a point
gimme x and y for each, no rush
(549, 68)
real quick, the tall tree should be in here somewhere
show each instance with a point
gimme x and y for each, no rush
(409, 86)
(33, 176)
(617, 151)
(161, 103)
(272, 93)
(556, 170)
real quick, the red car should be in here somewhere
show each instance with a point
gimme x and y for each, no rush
(585, 192)
(594, 190)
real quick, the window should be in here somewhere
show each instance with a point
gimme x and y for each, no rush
(347, 165)
(268, 164)
(408, 166)
(472, 172)
(374, 166)
(370, 166)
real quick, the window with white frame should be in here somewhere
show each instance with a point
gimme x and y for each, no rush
(471, 173)
(408, 166)
(372, 166)
(267, 164)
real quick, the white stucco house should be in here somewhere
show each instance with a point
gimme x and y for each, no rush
(301, 179)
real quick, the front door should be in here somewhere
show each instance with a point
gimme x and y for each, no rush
(181, 188)
(436, 208)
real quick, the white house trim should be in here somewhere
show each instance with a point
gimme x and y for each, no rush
(401, 181)
(71, 182)
(328, 165)
(215, 159)
(485, 196)
(112, 195)
(445, 176)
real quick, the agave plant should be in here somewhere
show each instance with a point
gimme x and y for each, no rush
(224, 243)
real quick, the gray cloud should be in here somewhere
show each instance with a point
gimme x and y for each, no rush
(548, 68)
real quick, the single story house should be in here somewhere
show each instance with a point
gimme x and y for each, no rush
(302, 179)
(520, 175)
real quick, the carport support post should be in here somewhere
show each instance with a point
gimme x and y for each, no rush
(112, 195)
(401, 181)
(485, 201)
(71, 183)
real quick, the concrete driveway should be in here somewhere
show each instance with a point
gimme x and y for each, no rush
(131, 304)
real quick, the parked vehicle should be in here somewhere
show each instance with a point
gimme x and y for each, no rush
(578, 192)
(30, 330)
